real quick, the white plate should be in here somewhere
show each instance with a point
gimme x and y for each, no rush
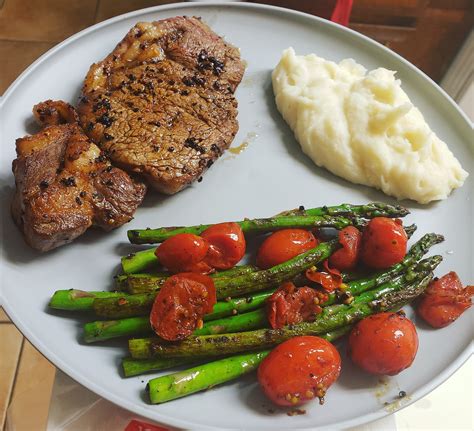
(270, 175)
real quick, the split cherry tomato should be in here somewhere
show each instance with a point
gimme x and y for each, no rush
(330, 279)
(384, 343)
(384, 243)
(226, 245)
(289, 305)
(346, 257)
(182, 251)
(283, 245)
(299, 370)
(445, 300)
(180, 305)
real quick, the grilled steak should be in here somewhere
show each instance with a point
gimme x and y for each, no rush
(162, 103)
(64, 184)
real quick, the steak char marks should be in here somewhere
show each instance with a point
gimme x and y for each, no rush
(162, 103)
(64, 184)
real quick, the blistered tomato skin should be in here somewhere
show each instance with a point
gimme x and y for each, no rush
(445, 300)
(181, 304)
(346, 257)
(383, 344)
(299, 370)
(290, 305)
(181, 252)
(283, 245)
(226, 245)
(384, 243)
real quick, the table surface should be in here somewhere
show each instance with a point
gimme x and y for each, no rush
(26, 377)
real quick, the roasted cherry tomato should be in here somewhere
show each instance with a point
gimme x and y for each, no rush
(346, 257)
(181, 304)
(299, 370)
(182, 251)
(445, 300)
(384, 343)
(330, 279)
(384, 243)
(283, 245)
(226, 245)
(290, 304)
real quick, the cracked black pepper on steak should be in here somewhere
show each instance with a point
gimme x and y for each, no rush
(162, 103)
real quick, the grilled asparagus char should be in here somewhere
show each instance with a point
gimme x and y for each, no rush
(236, 335)
(102, 330)
(393, 294)
(201, 377)
(208, 375)
(322, 216)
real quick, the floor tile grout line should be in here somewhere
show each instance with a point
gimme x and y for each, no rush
(10, 395)
(16, 371)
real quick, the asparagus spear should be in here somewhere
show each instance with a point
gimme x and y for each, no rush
(140, 283)
(136, 305)
(104, 330)
(152, 236)
(144, 283)
(236, 270)
(67, 300)
(80, 300)
(293, 218)
(135, 367)
(238, 305)
(107, 329)
(370, 210)
(213, 345)
(139, 260)
(182, 383)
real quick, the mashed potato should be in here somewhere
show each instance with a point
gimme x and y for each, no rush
(362, 126)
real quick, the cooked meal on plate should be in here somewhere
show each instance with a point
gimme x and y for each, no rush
(307, 287)
(363, 127)
(160, 110)
(65, 184)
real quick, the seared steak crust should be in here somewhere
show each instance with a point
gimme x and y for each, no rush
(162, 103)
(64, 184)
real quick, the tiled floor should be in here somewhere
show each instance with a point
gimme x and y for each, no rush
(27, 30)
(26, 381)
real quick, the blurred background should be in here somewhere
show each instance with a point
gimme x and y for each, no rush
(434, 35)
(428, 33)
